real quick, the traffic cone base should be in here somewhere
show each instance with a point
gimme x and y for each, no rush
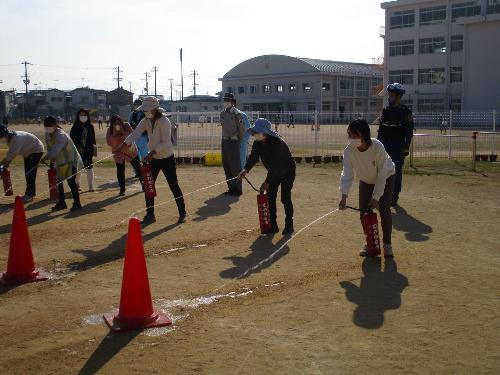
(118, 324)
(34, 277)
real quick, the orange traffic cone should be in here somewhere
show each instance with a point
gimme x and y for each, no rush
(21, 266)
(136, 308)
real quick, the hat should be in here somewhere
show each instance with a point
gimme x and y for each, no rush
(396, 88)
(228, 96)
(137, 102)
(263, 125)
(148, 104)
(49, 121)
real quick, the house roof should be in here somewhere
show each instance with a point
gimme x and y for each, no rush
(342, 67)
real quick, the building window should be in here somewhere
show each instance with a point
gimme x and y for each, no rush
(292, 107)
(405, 18)
(361, 87)
(246, 107)
(402, 48)
(253, 89)
(230, 89)
(279, 89)
(430, 105)
(326, 106)
(241, 90)
(431, 76)
(457, 43)
(456, 104)
(404, 77)
(377, 81)
(311, 106)
(266, 89)
(346, 87)
(468, 9)
(292, 87)
(432, 45)
(408, 103)
(493, 6)
(433, 15)
(325, 87)
(205, 107)
(456, 74)
(84, 99)
(306, 87)
(216, 107)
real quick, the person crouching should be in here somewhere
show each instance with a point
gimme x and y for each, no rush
(367, 158)
(274, 153)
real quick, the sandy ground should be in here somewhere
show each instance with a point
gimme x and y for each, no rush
(316, 307)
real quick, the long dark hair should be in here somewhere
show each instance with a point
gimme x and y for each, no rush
(112, 120)
(360, 127)
(51, 121)
(86, 112)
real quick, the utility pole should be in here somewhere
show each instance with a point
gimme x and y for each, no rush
(155, 69)
(182, 80)
(26, 80)
(194, 81)
(146, 89)
(118, 79)
(171, 88)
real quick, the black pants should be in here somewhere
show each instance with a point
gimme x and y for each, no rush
(167, 166)
(286, 183)
(398, 183)
(30, 169)
(232, 164)
(120, 172)
(72, 185)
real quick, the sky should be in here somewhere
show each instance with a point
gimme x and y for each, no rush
(75, 43)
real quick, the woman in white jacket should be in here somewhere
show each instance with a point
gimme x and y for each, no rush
(367, 158)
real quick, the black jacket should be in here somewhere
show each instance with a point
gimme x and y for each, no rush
(396, 130)
(84, 146)
(276, 157)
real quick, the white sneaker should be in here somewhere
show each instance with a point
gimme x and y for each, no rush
(388, 251)
(363, 252)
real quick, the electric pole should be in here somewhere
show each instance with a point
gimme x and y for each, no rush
(182, 80)
(155, 69)
(146, 89)
(171, 88)
(194, 81)
(118, 79)
(26, 80)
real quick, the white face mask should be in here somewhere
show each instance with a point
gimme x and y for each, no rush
(149, 114)
(259, 137)
(228, 105)
(83, 119)
(355, 142)
(50, 130)
(118, 128)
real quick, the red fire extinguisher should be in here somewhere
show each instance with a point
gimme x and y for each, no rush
(52, 174)
(7, 183)
(370, 227)
(263, 209)
(148, 182)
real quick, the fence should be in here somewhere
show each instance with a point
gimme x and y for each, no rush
(447, 135)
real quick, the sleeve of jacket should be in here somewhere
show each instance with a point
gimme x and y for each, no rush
(134, 136)
(92, 136)
(108, 136)
(59, 144)
(408, 129)
(241, 125)
(253, 158)
(274, 166)
(347, 176)
(165, 134)
(73, 136)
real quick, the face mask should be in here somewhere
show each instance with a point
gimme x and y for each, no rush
(355, 142)
(149, 114)
(118, 128)
(83, 119)
(259, 137)
(50, 130)
(228, 105)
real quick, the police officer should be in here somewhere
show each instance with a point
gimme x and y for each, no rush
(233, 130)
(396, 132)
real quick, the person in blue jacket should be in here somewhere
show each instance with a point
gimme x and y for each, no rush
(134, 119)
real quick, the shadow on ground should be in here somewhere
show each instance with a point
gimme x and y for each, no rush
(415, 230)
(378, 292)
(257, 259)
(216, 206)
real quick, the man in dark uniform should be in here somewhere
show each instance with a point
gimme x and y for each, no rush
(396, 133)
(233, 130)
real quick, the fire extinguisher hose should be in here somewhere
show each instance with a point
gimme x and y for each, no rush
(253, 187)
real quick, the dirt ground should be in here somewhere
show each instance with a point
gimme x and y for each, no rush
(316, 307)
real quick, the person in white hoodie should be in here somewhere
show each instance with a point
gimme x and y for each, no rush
(366, 157)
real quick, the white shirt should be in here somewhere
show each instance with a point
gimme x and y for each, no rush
(159, 136)
(372, 166)
(24, 144)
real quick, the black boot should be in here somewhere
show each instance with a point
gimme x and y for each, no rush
(288, 228)
(60, 206)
